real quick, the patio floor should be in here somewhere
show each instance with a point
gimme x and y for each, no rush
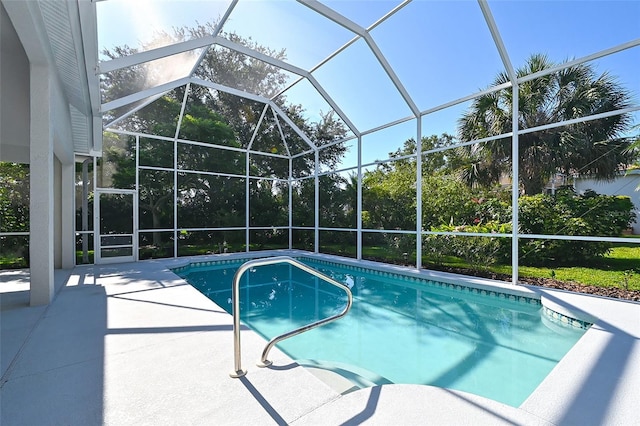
(134, 344)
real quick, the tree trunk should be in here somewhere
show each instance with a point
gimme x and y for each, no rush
(155, 217)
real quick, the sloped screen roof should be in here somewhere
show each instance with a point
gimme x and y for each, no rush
(369, 64)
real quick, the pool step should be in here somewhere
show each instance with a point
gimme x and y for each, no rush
(343, 378)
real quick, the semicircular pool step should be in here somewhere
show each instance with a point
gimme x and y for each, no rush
(342, 377)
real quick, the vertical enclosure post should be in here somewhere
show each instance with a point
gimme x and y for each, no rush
(515, 187)
(247, 187)
(136, 213)
(290, 202)
(317, 202)
(175, 170)
(85, 210)
(419, 194)
(359, 202)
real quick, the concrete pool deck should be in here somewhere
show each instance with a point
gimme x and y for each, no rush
(134, 344)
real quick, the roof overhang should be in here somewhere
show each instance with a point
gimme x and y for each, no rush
(62, 35)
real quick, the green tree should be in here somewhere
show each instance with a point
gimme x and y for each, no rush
(594, 148)
(236, 70)
(389, 191)
(207, 195)
(335, 202)
(303, 199)
(195, 191)
(14, 197)
(14, 214)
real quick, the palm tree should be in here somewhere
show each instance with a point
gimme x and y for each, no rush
(594, 147)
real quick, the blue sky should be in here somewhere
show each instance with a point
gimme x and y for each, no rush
(440, 50)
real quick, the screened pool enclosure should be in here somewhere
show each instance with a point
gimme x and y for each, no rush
(237, 126)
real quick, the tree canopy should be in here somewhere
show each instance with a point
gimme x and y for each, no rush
(211, 184)
(596, 147)
(14, 197)
(240, 115)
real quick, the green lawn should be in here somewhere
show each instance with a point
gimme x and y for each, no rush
(620, 268)
(13, 262)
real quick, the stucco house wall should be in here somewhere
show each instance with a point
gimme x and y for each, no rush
(626, 184)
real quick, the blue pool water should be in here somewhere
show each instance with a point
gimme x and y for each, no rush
(400, 329)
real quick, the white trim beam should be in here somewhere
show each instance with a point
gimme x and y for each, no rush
(183, 107)
(247, 200)
(292, 69)
(204, 144)
(284, 139)
(333, 104)
(579, 120)
(392, 75)
(353, 40)
(497, 39)
(136, 109)
(154, 54)
(467, 98)
(359, 201)
(472, 142)
(597, 55)
(205, 42)
(290, 187)
(164, 51)
(126, 100)
(143, 94)
(216, 31)
(316, 198)
(291, 124)
(255, 131)
(362, 32)
(230, 90)
(391, 124)
(220, 41)
(389, 14)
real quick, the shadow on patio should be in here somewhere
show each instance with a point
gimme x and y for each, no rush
(128, 344)
(53, 356)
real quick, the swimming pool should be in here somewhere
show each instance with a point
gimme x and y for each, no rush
(401, 329)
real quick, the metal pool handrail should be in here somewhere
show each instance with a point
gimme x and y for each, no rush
(238, 371)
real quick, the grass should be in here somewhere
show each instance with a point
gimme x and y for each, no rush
(620, 268)
(13, 263)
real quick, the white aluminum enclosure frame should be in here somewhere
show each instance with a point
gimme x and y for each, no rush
(360, 33)
(97, 242)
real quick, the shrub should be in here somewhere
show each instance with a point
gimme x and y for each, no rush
(477, 251)
(565, 213)
(568, 213)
